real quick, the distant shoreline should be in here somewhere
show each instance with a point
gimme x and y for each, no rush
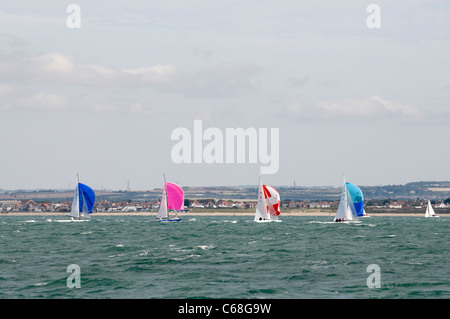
(306, 213)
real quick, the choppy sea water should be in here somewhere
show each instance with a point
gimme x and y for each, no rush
(224, 257)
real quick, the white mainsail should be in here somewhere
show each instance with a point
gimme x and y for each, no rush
(430, 211)
(346, 210)
(163, 209)
(261, 210)
(75, 212)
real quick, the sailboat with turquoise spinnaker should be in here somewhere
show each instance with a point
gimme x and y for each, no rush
(346, 211)
(83, 202)
(172, 199)
(357, 198)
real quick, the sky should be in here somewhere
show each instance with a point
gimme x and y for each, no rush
(102, 100)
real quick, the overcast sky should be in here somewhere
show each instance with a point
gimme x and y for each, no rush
(102, 100)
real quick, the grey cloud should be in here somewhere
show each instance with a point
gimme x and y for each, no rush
(59, 68)
(226, 80)
(233, 79)
(374, 106)
(370, 108)
(296, 82)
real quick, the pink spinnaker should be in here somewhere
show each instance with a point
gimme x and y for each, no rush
(175, 196)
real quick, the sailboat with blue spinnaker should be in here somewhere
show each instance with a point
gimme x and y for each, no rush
(83, 202)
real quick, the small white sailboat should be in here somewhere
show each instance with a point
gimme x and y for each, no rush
(346, 211)
(164, 207)
(83, 202)
(268, 207)
(430, 211)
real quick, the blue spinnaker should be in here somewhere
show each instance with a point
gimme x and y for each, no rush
(87, 198)
(357, 198)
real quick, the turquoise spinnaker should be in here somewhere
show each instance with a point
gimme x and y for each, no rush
(357, 198)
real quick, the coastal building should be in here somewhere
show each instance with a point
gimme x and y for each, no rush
(9, 205)
(27, 205)
(224, 204)
(62, 207)
(210, 204)
(196, 204)
(441, 205)
(395, 205)
(239, 205)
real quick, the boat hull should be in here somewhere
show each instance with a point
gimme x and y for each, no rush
(169, 220)
(348, 222)
(268, 221)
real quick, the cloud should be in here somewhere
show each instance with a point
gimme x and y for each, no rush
(374, 106)
(30, 19)
(140, 109)
(123, 108)
(105, 108)
(12, 46)
(296, 82)
(42, 102)
(205, 115)
(59, 68)
(294, 109)
(159, 75)
(226, 80)
(7, 89)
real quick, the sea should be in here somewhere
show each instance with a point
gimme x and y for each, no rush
(137, 257)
